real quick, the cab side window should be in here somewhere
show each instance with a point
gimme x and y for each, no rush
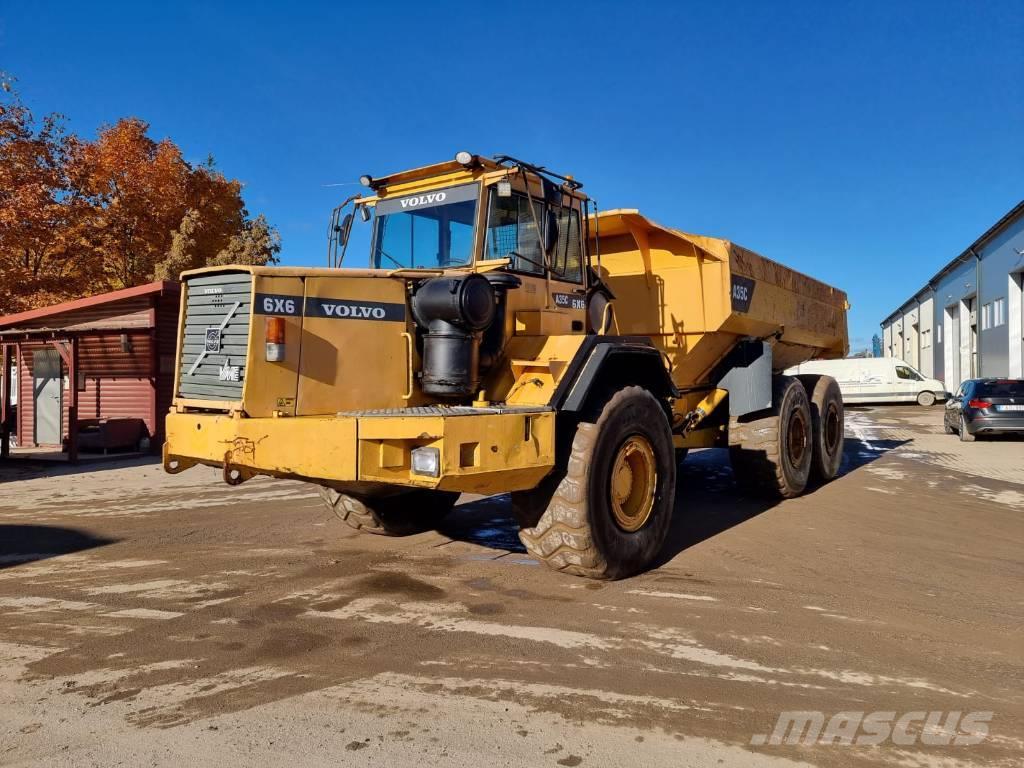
(512, 233)
(566, 261)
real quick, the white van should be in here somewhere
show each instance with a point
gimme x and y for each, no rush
(877, 380)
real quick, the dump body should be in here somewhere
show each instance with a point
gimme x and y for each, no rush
(696, 296)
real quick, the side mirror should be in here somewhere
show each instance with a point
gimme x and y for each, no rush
(345, 229)
(550, 231)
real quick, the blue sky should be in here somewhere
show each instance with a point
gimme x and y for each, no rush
(865, 143)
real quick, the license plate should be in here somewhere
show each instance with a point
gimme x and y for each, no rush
(1010, 407)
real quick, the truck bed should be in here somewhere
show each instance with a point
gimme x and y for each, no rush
(696, 295)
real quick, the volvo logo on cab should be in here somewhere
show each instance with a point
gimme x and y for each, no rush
(430, 199)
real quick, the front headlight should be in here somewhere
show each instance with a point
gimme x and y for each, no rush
(426, 461)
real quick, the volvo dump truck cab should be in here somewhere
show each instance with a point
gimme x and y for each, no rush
(507, 338)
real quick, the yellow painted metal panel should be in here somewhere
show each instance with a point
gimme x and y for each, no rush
(511, 451)
(271, 387)
(352, 359)
(291, 447)
(535, 367)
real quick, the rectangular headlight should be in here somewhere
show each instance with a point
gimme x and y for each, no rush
(426, 461)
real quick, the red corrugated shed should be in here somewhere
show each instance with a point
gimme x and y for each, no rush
(125, 344)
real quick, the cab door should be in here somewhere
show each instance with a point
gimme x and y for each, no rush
(907, 384)
(568, 288)
(549, 301)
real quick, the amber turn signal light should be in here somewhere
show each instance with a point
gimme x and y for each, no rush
(275, 339)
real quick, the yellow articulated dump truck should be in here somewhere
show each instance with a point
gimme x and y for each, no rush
(508, 338)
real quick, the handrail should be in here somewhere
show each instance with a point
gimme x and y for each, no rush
(408, 347)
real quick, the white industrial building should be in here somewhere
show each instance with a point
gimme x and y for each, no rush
(967, 322)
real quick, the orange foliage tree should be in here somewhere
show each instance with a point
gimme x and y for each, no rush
(80, 217)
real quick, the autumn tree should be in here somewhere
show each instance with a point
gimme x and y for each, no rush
(36, 205)
(80, 217)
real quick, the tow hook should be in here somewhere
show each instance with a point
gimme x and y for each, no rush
(234, 475)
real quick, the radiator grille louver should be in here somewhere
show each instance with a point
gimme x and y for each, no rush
(211, 303)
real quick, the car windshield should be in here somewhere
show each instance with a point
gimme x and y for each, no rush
(1003, 388)
(426, 231)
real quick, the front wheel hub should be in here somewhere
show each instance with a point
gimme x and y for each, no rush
(633, 482)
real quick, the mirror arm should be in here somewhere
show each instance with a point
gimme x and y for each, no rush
(333, 241)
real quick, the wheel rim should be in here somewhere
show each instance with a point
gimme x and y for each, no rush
(633, 481)
(796, 440)
(832, 429)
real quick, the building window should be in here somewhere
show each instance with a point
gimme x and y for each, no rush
(926, 339)
(998, 312)
(986, 316)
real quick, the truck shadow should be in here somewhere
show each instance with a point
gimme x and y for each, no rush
(485, 522)
(21, 544)
(708, 503)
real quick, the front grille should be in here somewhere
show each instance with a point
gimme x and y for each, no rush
(216, 334)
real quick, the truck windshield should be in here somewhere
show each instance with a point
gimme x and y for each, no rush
(426, 231)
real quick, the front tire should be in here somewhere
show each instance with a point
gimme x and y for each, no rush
(402, 514)
(610, 514)
(926, 399)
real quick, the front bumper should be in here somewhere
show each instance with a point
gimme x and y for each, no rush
(996, 423)
(482, 450)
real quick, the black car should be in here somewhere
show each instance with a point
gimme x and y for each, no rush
(986, 407)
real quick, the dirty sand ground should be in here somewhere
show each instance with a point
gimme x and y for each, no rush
(156, 620)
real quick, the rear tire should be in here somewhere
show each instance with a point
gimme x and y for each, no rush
(826, 425)
(771, 456)
(399, 515)
(610, 514)
(926, 399)
(965, 436)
